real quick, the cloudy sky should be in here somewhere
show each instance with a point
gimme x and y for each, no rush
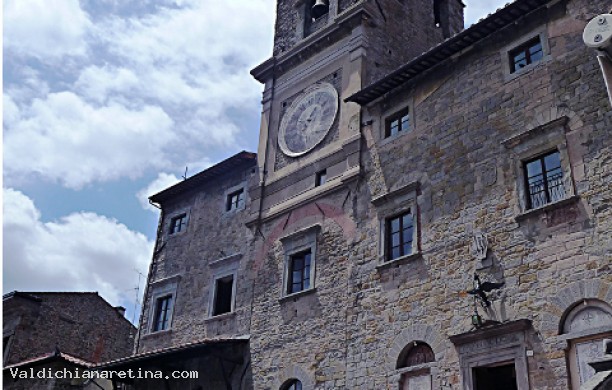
(105, 102)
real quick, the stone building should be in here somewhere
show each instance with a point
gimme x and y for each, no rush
(429, 208)
(60, 330)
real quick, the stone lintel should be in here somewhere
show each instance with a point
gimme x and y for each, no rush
(489, 332)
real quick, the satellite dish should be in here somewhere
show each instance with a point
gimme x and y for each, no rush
(598, 33)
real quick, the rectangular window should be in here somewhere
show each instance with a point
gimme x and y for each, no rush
(320, 178)
(178, 224)
(235, 200)
(528, 53)
(544, 177)
(224, 291)
(163, 308)
(400, 232)
(396, 123)
(299, 272)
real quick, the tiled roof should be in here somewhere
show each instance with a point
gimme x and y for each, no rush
(241, 159)
(494, 22)
(52, 356)
(171, 350)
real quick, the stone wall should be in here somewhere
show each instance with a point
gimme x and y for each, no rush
(467, 116)
(214, 242)
(80, 324)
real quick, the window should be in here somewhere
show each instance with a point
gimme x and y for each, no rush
(235, 200)
(400, 232)
(292, 384)
(300, 248)
(5, 347)
(178, 224)
(163, 308)
(544, 177)
(416, 354)
(299, 272)
(399, 122)
(525, 54)
(320, 178)
(224, 292)
(585, 324)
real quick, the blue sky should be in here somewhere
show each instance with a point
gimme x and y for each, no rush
(105, 102)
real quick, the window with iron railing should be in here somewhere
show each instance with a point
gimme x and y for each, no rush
(544, 177)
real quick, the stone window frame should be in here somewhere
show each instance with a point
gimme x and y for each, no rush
(160, 289)
(574, 338)
(391, 204)
(230, 191)
(387, 114)
(172, 217)
(295, 243)
(542, 33)
(507, 342)
(531, 144)
(222, 268)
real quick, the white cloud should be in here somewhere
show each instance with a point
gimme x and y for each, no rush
(164, 88)
(163, 181)
(478, 9)
(67, 140)
(80, 252)
(45, 28)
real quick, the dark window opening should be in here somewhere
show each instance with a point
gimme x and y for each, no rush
(178, 223)
(399, 122)
(400, 231)
(528, 53)
(5, 344)
(293, 384)
(299, 272)
(544, 180)
(235, 200)
(436, 9)
(223, 295)
(501, 377)
(162, 313)
(320, 178)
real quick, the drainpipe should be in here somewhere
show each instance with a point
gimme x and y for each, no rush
(598, 36)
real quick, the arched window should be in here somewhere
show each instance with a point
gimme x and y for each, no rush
(585, 325)
(413, 362)
(416, 354)
(292, 384)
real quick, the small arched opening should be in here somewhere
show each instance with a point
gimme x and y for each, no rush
(585, 325)
(415, 363)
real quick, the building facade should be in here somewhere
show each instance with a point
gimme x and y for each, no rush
(429, 208)
(54, 331)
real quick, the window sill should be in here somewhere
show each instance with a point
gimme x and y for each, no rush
(399, 261)
(297, 295)
(158, 333)
(220, 317)
(550, 206)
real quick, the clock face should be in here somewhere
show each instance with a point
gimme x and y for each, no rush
(308, 120)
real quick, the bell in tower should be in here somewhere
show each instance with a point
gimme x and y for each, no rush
(320, 8)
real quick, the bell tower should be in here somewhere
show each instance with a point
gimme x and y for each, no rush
(324, 51)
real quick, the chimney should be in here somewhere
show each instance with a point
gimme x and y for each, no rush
(120, 310)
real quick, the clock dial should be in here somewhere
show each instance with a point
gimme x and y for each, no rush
(308, 120)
